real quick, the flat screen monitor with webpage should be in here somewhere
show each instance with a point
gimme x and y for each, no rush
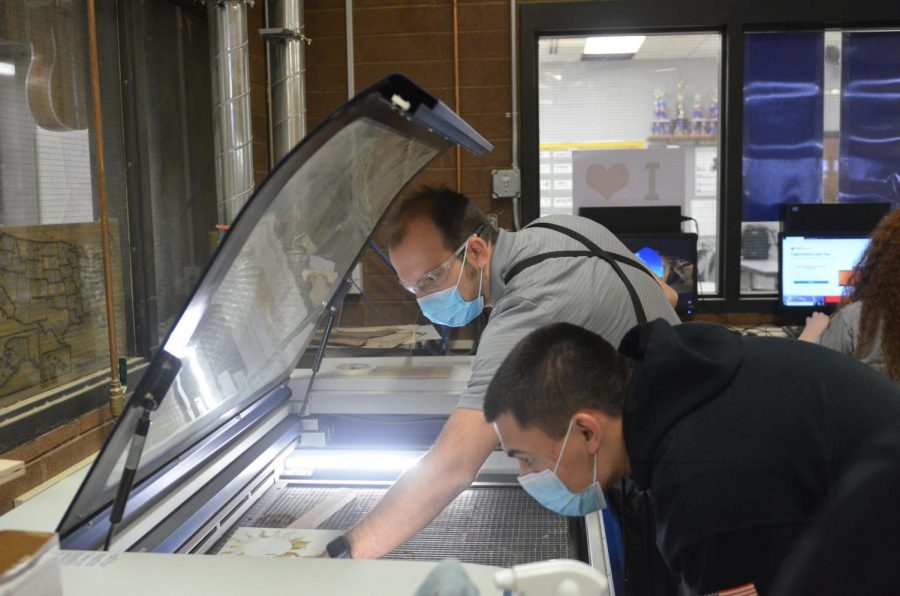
(815, 269)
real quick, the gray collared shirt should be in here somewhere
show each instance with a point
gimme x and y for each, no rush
(584, 291)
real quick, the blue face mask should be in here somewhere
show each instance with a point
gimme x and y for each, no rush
(448, 307)
(548, 490)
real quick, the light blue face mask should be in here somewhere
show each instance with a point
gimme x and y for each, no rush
(448, 307)
(548, 490)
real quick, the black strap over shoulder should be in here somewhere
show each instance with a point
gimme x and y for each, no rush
(528, 262)
(593, 251)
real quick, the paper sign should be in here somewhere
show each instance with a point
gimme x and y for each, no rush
(706, 177)
(627, 178)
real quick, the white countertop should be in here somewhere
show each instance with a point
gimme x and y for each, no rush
(145, 574)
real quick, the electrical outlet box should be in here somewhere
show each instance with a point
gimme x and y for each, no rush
(493, 220)
(506, 184)
(357, 276)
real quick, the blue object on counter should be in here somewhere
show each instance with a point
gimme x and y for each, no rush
(448, 578)
(616, 548)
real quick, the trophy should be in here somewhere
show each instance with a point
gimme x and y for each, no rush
(660, 125)
(680, 120)
(697, 120)
(712, 123)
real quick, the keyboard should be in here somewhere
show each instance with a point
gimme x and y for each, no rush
(792, 331)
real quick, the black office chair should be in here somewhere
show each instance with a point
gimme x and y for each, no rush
(852, 544)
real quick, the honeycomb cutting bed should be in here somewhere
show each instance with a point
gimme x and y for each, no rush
(495, 525)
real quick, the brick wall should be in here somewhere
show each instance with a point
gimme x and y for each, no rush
(54, 452)
(415, 37)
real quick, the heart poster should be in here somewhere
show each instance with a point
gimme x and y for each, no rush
(628, 178)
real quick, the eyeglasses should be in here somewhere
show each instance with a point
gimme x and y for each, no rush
(435, 278)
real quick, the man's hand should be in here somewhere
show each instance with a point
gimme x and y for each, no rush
(423, 491)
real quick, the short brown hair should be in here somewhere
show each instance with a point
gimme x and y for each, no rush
(452, 213)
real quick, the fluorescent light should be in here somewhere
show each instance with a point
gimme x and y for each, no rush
(7, 69)
(308, 460)
(613, 45)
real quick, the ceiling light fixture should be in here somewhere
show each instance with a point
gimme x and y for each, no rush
(613, 45)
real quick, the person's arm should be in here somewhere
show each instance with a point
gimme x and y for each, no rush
(671, 295)
(815, 326)
(448, 468)
(423, 491)
(842, 329)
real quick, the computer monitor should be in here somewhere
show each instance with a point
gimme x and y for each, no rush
(831, 218)
(672, 258)
(815, 269)
(636, 220)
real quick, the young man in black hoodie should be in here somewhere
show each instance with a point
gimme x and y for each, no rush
(735, 439)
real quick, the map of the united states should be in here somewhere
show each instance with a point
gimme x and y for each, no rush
(52, 312)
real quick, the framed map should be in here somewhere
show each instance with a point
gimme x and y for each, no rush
(52, 306)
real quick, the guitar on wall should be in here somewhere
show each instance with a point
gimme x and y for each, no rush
(56, 84)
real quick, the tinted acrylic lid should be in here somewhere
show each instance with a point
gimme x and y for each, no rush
(279, 268)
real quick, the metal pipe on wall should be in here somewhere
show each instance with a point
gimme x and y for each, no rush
(456, 89)
(232, 134)
(348, 15)
(514, 105)
(116, 393)
(287, 73)
(185, 142)
(513, 83)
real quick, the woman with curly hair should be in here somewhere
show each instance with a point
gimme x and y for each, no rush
(868, 327)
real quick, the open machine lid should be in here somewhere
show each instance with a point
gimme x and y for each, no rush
(255, 309)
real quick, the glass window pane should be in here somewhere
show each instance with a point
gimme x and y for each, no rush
(633, 126)
(783, 143)
(53, 317)
(867, 71)
(820, 126)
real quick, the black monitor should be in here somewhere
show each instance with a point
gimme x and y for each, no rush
(815, 269)
(673, 258)
(845, 218)
(636, 220)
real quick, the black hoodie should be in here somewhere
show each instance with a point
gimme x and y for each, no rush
(738, 439)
